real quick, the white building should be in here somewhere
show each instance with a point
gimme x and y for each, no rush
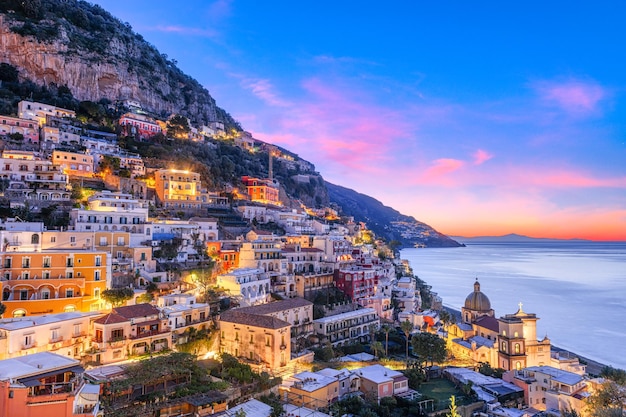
(347, 328)
(114, 211)
(250, 285)
(63, 333)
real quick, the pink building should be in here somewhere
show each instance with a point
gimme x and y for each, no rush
(28, 128)
(140, 125)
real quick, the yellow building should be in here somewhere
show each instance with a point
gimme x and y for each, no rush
(262, 341)
(73, 163)
(175, 187)
(35, 283)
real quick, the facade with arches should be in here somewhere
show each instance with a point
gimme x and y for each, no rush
(36, 283)
(250, 286)
(29, 177)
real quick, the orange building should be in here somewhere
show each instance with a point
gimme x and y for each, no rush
(52, 281)
(46, 384)
(263, 191)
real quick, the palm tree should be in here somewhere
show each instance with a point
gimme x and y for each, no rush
(377, 348)
(372, 328)
(407, 328)
(386, 328)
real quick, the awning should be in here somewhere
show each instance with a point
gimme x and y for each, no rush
(33, 381)
(89, 393)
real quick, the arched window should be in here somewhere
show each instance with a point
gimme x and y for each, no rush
(19, 313)
(504, 346)
(34, 239)
(517, 348)
(516, 334)
(518, 365)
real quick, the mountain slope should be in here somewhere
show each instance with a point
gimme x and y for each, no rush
(83, 47)
(385, 221)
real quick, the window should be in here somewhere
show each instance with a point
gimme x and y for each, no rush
(96, 275)
(98, 261)
(53, 239)
(267, 340)
(72, 239)
(251, 338)
(70, 262)
(47, 261)
(34, 239)
(96, 293)
(120, 241)
(517, 348)
(45, 275)
(28, 340)
(117, 334)
(45, 294)
(69, 274)
(103, 241)
(69, 293)
(23, 294)
(25, 262)
(236, 335)
(7, 262)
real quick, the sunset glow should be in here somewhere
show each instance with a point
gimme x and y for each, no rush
(474, 119)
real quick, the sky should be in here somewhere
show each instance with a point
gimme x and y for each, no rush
(477, 118)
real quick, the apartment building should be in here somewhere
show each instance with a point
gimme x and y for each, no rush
(46, 384)
(73, 163)
(127, 331)
(260, 340)
(63, 333)
(54, 281)
(139, 125)
(296, 311)
(29, 129)
(39, 112)
(250, 286)
(30, 177)
(264, 191)
(347, 328)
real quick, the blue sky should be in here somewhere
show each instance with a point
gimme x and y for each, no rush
(478, 119)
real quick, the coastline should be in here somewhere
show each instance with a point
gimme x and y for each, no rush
(593, 367)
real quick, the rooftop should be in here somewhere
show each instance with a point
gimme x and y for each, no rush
(564, 377)
(277, 306)
(345, 316)
(311, 381)
(35, 364)
(256, 320)
(26, 322)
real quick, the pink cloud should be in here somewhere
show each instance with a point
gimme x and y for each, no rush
(572, 96)
(263, 89)
(481, 156)
(568, 179)
(182, 30)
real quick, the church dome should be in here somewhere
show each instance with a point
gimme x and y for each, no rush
(477, 301)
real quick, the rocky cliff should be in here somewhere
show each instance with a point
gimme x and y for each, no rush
(112, 62)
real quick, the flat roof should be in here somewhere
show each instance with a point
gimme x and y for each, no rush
(564, 377)
(347, 315)
(312, 381)
(31, 321)
(35, 364)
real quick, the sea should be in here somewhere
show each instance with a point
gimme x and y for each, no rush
(577, 289)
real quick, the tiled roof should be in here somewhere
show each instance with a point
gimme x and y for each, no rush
(276, 306)
(488, 322)
(137, 310)
(256, 320)
(111, 318)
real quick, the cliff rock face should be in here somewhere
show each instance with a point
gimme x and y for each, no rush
(116, 76)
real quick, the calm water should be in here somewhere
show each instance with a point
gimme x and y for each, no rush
(578, 290)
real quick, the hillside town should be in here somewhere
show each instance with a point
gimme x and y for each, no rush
(130, 288)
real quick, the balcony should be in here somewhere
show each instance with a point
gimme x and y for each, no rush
(55, 339)
(148, 334)
(30, 345)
